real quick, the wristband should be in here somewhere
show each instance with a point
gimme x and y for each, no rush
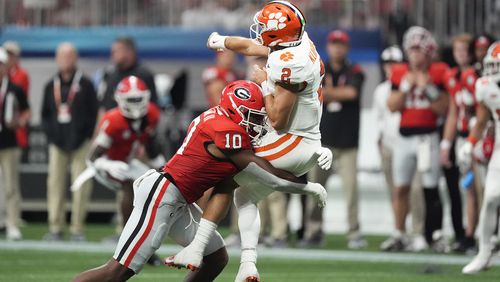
(404, 86)
(432, 92)
(445, 144)
(473, 140)
(265, 89)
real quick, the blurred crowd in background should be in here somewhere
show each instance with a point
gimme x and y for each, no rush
(85, 97)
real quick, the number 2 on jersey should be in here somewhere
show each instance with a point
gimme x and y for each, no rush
(285, 75)
(236, 141)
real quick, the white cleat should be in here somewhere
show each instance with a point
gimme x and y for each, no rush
(187, 258)
(479, 263)
(247, 273)
(14, 234)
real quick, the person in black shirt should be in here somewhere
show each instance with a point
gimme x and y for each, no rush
(340, 132)
(14, 114)
(125, 63)
(69, 113)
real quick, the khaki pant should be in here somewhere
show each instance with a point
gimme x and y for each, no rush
(273, 216)
(9, 166)
(57, 185)
(417, 210)
(345, 161)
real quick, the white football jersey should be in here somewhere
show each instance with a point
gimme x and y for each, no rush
(294, 65)
(488, 93)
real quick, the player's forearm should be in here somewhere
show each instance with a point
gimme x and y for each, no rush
(24, 118)
(218, 207)
(244, 46)
(277, 180)
(396, 101)
(482, 117)
(450, 128)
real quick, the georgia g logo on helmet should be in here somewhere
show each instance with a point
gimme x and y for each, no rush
(242, 93)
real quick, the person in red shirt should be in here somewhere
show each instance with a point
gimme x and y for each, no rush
(217, 146)
(19, 76)
(460, 84)
(417, 94)
(216, 77)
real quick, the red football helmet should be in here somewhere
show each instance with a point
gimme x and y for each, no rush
(132, 96)
(279, 23)
(242, 102)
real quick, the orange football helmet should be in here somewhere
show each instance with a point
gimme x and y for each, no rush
(279, 23)
(491, 62)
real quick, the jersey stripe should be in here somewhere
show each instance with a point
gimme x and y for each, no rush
(285, 151)
(150, 224)
(141, 219)
(275, 144)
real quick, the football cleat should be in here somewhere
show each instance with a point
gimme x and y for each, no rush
(247, 273)
(479, 263)
(170, 261)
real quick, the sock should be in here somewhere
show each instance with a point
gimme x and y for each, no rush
(433, 212)
(249, 224)
(206, 230)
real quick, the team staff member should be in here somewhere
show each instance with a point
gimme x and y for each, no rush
(216, 77)
(14, 114)
(69, 112)
(340, 132)
(125, 63)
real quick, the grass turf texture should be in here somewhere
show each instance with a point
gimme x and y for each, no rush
(16, 265)
(62, 266)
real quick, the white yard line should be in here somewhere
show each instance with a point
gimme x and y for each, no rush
(290, 254)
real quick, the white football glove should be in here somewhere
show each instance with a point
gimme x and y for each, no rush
(216, 41)
(318, 192)
(117, 169)
(465, 156)
(325, 158)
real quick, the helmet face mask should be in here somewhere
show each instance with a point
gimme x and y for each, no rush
(491, 63)
(132, 97)
(243, 103)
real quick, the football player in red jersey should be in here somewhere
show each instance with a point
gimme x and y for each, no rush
(217, 146)
(123, 131)
(417, 94)
(459, 82)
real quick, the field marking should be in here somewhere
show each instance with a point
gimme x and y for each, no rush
(289, 254)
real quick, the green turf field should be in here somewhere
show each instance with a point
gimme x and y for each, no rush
(62, 266)
(21, 265)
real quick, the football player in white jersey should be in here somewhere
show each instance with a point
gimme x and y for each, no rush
(291, 84)
(488, 98)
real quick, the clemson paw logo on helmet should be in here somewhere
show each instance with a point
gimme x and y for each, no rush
(287, 56)
(276, 21)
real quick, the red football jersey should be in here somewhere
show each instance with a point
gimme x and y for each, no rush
(417, 115)
(121, 139)
(193, 169)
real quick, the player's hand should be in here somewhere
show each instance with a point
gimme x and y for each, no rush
(318, 192)
(465, 156)
(216, 41)
(325, 158)
(117, 169)
(258, 74)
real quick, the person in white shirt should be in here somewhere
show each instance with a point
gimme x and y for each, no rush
(388, 133)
